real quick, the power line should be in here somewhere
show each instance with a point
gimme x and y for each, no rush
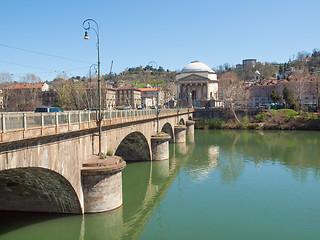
(45, 69)
(44, 54)
(22, 65)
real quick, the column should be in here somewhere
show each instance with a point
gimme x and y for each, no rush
(160, 146)
(207, 94)
(180, 134)
(101, 181)
(202, 92)
(190, 126)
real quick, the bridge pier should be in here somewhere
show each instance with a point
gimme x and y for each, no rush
(190, 126)
(102, 184)
(180, 133)
(160, 146)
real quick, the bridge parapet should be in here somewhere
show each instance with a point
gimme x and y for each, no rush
(21, 125)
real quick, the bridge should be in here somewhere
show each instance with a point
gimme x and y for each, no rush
(49, 162)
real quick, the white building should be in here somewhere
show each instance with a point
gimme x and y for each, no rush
(197, 82)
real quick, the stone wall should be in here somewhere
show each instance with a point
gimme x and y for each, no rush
(224, 114)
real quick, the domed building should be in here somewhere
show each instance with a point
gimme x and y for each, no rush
(197, 83)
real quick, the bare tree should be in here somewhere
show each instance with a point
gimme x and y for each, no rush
(25, 96)
(72, 96)
(5, 81)
(300, 85)
(233, 93)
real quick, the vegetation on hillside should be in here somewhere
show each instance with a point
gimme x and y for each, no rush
(283, 119)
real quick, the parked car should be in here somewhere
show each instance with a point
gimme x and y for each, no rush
(123, 108)
(48, 118)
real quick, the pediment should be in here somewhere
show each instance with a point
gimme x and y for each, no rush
(194, 77)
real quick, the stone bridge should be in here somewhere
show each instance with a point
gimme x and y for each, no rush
(55, 167)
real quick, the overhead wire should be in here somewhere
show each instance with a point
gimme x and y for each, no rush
(44, 54)
(41, 53)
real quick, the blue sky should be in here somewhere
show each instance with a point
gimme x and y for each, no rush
(133, 33)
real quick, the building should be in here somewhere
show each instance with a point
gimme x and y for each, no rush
(148, 100)
(109, 98)
(28, 96)
(239, 66)
(260, 92)
(128, 96)
(246, 63)
(197, 84)
(153, 91)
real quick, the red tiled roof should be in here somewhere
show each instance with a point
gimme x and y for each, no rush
(26, 85)
(127, 88)
(149, 89)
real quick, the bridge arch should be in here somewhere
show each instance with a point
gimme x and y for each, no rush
(167, 128)
(134, 147)
(37, 189)
(182, 121)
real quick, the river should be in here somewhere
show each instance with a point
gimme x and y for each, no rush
(220, 185)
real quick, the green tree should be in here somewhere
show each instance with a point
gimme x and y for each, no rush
(276, 98)
(288, 97)
(280, 70)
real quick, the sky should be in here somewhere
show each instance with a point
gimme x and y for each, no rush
(46, 37)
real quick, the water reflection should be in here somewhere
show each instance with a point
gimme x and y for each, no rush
(299, 152)
(215, 155)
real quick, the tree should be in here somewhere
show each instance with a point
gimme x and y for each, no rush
(288, 97)
(276, 98)
(281, 70)
(72, 96)
(233, 93)
(299, 85)
(5, 81)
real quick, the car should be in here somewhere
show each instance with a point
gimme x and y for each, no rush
(48, 109)
(48, 119)
(123, 108)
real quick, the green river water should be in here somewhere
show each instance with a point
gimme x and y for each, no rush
(219, 185)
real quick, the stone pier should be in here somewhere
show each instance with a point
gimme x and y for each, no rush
(102, 184)
(180, 133)
(190, 126)
(160, 146)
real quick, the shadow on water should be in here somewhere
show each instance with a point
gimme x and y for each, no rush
(29, 225)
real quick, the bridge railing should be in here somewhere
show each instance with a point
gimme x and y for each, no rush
(11, 121)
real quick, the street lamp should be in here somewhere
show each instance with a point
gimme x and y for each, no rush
(95, 67)
(86, 25)
(154, 65)
(178, 92)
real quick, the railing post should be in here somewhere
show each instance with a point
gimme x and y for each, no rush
(69, 121)
(79, 114)
(24, 121)
(89, 116)
(3, 123)
(42, 120)
(57, 119)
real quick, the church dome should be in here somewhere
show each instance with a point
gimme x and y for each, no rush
(196, 66)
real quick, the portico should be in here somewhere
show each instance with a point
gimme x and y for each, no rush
(197, 83)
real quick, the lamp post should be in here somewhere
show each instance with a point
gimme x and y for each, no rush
(178, 88)
(95, 66)
(86, 25)
(152, 64)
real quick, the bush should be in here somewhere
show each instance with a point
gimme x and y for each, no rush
(289, 113)
(261, 117)
(216, 123)
(245, 120)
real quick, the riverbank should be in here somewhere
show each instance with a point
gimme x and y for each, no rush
(284, 119)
